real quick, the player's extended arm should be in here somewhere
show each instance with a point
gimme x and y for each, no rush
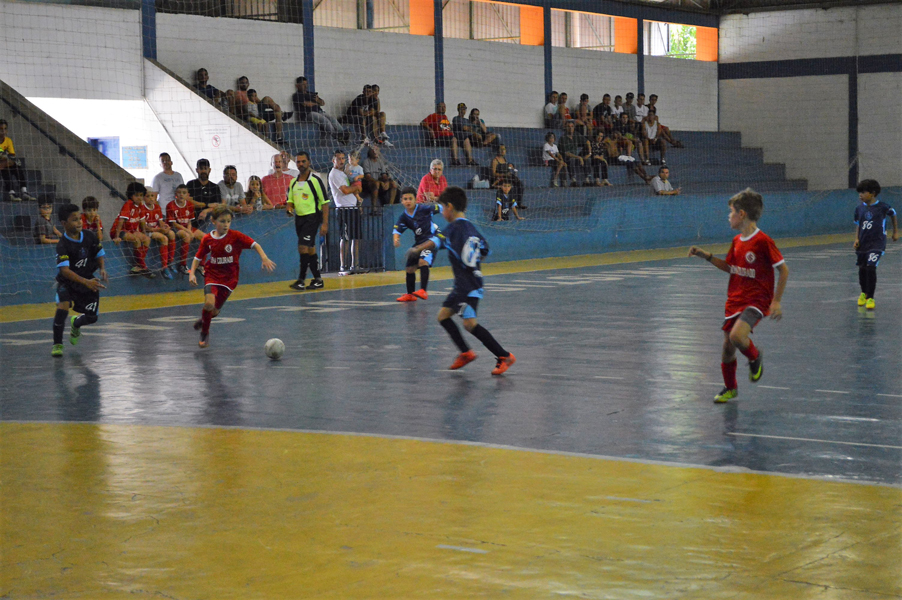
(192, 278)
(776, 312)
(324, 228)
(396, 239)
(892, 219)
(717, 262)
(266, 263)
(427, 245)
(91, 284)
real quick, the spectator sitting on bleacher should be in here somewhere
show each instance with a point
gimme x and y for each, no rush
(204, 193)
(158, 230)
(284, 165)
(665, 131)
(363, 114)
(255, 197)
(641, 113)
(552, 119)
(240, 99)
(377, 180)
(661, 184)
(617, 109)
(481, 135)
(502, 171)
(232, 192)
(381, 136)
(463, 133)
(598, 158)
(619, 146)
(308, 108)
(623, 134)
(275, 185)
(90, 218)
(262, 114)
(603, 114)
(201, 85)
(652, 138)
(10, 167)
(552, 157)
(433, 183)
(45, 232)
(563, 111)
(438, 131)
(505, 203)
(584, 121)
(166, 181)
(575, 149)
(630, 109)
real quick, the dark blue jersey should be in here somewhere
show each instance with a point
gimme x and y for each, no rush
(506, 202)
(466, 249)
(79, 255)
(420, 222)
(871, 221)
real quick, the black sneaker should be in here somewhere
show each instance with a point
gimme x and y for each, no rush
(204, 340)
(298, 285)
(316, 284)
(287, 115)
(198, 324)
(756, 367)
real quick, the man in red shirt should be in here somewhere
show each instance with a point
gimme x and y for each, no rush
(751, 261)
(275, 185)
(439, 133)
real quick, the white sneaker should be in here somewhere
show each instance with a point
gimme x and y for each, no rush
(387, 144)
(383, 136)
(343, 271)
(14, 196)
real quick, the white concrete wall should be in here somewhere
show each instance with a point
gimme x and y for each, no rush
(687, 92)
(591, 72)
(880, 128)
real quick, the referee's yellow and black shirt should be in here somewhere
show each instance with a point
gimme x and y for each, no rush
(307, 196)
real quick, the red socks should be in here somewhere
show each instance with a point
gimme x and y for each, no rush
(751, 352)
(164, 255)
(729, 375)
(207, 315)
(140, 253)
(171, 252)
(186, 247)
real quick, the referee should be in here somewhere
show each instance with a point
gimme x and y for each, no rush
(307, 202)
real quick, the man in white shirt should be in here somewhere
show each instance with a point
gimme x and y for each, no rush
(641, 108)
(662, 185)
(166, 182)
(345, 202)
(231, 190)
(552, 118)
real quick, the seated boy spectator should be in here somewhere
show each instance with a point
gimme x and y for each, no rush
(308, 108)
(662, 185)
(156, 227)
(90, 218)
(127, 226)
(179, 215)
(463, 133)
(45, 232)
(438, 131)
(575, 149)
(377, 179)
(505, 203)
(550, 111)
(10, 168)
(552, 157)
(480, 134)
(202, 85)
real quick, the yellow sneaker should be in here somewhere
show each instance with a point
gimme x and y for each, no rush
(725, 395)
(870, 304)
(862, 299)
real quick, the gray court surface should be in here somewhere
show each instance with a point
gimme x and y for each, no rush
(619, 360)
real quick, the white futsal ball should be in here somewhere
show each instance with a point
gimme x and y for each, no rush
(274, 348)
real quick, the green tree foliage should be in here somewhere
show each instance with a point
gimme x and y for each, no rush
(682, 41)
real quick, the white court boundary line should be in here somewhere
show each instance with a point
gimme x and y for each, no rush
(641, 461)
(798, 439)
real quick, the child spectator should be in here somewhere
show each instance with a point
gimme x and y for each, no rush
(552, 157)
(155, 226)
(466, 249)
(377, 179)
(870, 238)
(355, 174)
(751, 261)
(77, 288)
(127, 226)
(263, 112)
(10, 168)
(90, 218)
(220, 251)
(44, 230)
(502, 169)
(598, 160)
(418, 219)
(180, 215)
(505, 203)
(255, 197)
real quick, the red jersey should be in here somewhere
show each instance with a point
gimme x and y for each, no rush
(128, 219)
(220, 256)
(183, 215)
(752, 261)
(439, 124)
(96, 226)
(276, 188)
(153, 217)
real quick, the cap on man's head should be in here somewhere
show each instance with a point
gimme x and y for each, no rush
(203, 162)
(461, 105)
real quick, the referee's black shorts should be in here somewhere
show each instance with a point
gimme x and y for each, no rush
(349, 226)
(307, 228)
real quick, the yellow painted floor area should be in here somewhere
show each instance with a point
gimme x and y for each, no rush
(107, 511)
(26, 312)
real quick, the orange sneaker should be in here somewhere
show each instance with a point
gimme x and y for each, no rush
(463, 359)
(407, 298)
(204, 340)
(504, 363)
(421, 294)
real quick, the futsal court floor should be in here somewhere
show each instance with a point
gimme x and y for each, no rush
(359, 466)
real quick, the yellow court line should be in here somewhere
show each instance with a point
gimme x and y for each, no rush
(111, 304)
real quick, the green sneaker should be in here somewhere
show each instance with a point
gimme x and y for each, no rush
(74, 332)
(862, 299)
(756, 367)
(725, 394)
(57, 350)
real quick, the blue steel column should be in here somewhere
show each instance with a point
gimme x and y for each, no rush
(370, 14)
(309, 59)
(640, 57)
(149, 28)
(853, 124)
(439, 54)
(546, 22)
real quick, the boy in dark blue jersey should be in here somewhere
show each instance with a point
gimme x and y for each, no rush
(870, 238)
(466, 249)
(418, 219)
(78, 254)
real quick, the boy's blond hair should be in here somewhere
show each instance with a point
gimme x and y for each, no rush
(220, 210)
(750, 201)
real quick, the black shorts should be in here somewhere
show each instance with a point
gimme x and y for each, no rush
(464, 306)
(349, 223)
(868, 258)
(83, 300)
(307, 227)
(443, 142)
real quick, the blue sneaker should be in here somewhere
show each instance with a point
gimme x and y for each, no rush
(166, 273)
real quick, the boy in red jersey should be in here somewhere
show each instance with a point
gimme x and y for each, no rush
(128, 227)
(179, 214)
(158, 229)
(220, 250)
(90, 220)
(751, 262)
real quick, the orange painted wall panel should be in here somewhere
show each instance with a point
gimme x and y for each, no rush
(706, 44)
(532, 26)
(422, 17)
(626, 35)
